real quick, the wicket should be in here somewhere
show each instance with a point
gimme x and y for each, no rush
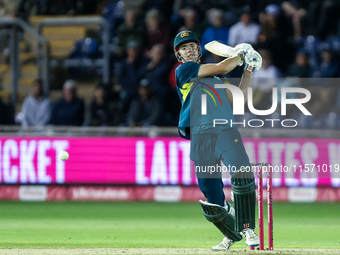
(268, 168)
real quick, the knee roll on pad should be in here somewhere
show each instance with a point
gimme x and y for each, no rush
(243, 187)
(219, 216)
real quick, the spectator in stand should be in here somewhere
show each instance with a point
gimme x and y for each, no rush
(129, 73)
(275, 29)
(7, 8)
(113, 14)
(216, 31)
(69, 110)
(156, 31)
(163, 6)
(180, 9)
(130, 30)
(268, 70)
(157, 70)
(27, 8)
(102, 112)
(85, 48)
(36, 109)
(295, 14)
(179, 6)
(192, 23)
(327, 68)
(146, 109)
(269, 20)
(300, 68)
(324, 17)
(244, 31)
(264, 80)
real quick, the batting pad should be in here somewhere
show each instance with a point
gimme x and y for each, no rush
(219, 216)
(243, 187)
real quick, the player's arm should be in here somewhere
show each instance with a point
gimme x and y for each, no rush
(253, 61)
(222, 67)
(244, 85)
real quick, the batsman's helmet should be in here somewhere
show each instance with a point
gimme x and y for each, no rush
(184, 37)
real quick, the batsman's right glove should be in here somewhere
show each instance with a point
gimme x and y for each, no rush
(252, 61)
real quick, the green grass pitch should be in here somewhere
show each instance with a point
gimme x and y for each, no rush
(150, 224)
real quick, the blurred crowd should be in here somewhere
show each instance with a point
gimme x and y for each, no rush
(297, 39)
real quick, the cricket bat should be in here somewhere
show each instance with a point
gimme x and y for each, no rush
(220, 49)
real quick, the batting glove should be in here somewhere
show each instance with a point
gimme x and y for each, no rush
(243, 49)
(253, 61)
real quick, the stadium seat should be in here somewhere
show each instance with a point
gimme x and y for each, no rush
(62, 38)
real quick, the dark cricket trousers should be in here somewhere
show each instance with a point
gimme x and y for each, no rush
(209, 149)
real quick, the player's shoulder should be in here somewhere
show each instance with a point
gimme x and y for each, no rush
(187, 65)
(178, 68)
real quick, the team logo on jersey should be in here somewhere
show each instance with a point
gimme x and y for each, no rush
(184, 34)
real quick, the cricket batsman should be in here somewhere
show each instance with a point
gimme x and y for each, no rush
(210, 144)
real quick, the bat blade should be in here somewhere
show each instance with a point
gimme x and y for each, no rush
(220, 49)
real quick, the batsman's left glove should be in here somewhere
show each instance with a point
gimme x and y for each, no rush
(252, 61)
(243, 49)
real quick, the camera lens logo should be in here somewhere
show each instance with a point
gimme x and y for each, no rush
(209, 93)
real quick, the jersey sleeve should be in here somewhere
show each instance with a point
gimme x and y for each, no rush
(185, 72)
